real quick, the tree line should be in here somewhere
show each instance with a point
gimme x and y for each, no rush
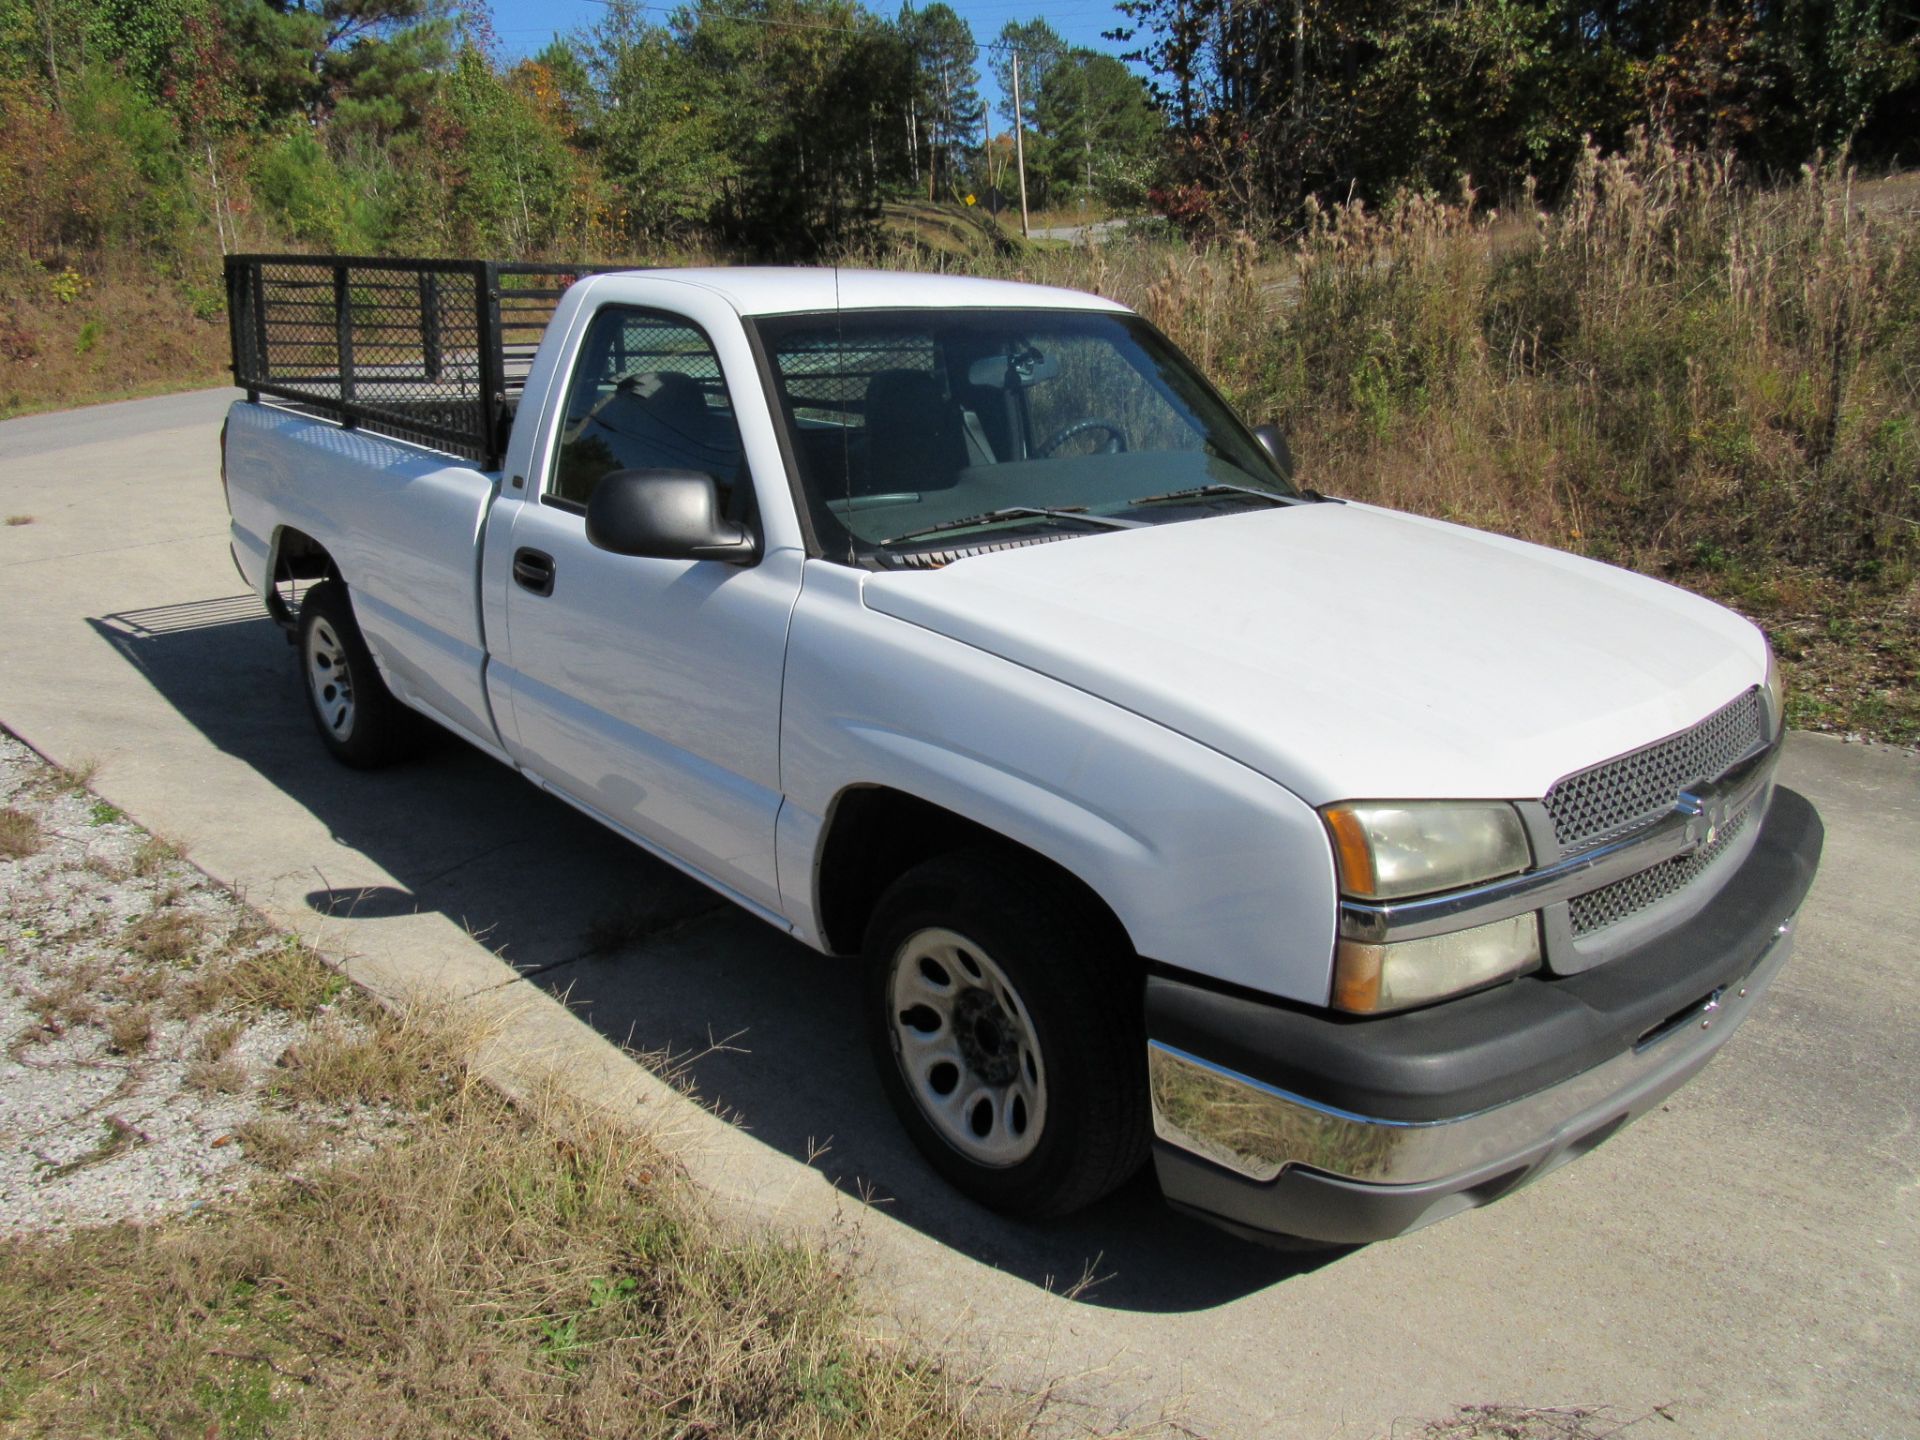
(774, 128)
(1269, 102)
(778, 128)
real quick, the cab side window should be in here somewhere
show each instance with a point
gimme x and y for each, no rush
(647, 394)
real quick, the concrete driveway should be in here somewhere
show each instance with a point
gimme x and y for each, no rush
(1746, 1259)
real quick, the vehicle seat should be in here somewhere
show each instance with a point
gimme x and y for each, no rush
(660, 420)
(915, 438)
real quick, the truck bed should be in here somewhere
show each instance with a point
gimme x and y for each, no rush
(431, 351)
(403, 520)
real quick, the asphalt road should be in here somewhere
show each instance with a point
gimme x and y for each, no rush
(1098, 230)
(1746, 1259)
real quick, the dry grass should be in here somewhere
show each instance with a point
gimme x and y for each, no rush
(69, 1001)
(1091, 213)
(276, 1143)
(948, 233)
(256, 970)
(19, 834)
(216, 1041)
(166, 936)
(212, 1068)
(143, 984)
(69, 779)
(133, 332)
(1670, 371)
(225, 1076)
(513, 1271)
(397, 1063)
(413, 1254)
(156, 855)
(129, 1028)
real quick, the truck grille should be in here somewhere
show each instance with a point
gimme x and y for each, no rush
(1613, 903)
(1605, 801)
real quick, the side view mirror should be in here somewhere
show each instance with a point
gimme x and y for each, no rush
(666, 515)
(1278, 451)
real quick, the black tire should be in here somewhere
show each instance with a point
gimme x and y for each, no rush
(1076, 996)
(359, 721)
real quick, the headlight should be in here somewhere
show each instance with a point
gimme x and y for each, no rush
(1389, 850)
(1373, 979)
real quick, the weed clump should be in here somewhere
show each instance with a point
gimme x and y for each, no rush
(19, 834)
(256, 971)
(166, 936)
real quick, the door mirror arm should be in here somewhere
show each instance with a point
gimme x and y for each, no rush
(666, 515)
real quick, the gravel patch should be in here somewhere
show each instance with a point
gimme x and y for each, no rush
(133, 1085)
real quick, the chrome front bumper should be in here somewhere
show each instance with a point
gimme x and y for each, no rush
(1258, 1130)
(1280, 1120)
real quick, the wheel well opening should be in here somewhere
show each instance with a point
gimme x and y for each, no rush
(299, 561)
(875, 835)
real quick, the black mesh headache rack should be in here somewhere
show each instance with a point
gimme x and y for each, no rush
(432, 351)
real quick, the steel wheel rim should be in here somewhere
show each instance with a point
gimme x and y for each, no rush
(966, 1047)
(329, 680)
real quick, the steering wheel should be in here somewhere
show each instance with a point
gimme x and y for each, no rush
(1116, 436)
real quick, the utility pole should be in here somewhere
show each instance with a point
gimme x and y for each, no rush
(986, 150)
(1299, 57)
(1019, 146)
(1086, 133)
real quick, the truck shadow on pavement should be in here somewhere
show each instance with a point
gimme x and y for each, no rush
(758, 1025)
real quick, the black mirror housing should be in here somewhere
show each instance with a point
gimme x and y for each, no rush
(666, 515)
(1278, 451)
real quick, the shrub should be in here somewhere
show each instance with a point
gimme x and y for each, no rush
(300, 187)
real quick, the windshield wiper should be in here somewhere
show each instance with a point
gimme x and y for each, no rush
(1016, 512)
(1218, 487)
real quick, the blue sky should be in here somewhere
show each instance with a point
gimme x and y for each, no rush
(525, 26)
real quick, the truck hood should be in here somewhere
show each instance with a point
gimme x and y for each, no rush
(1349, 652)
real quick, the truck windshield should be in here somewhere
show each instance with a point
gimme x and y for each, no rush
(943, 429)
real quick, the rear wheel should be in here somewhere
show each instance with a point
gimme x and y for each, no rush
(1006, 1022)
(357, 717)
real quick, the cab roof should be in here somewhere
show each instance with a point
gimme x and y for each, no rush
(772, 290)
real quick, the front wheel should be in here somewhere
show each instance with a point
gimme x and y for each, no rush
(356, 715)
(1006, 1022)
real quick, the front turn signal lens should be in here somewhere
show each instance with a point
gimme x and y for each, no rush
(1377, 979)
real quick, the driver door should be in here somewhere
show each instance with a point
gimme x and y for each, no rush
(647, 691)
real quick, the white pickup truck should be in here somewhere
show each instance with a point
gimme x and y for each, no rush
(1356, 867)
